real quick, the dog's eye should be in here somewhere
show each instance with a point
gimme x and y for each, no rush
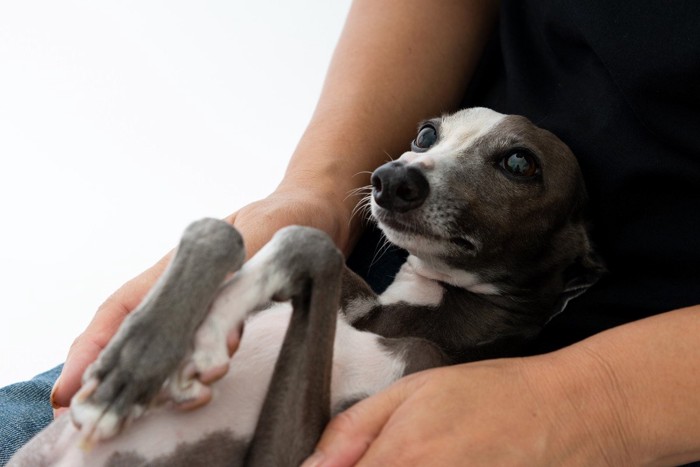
(520, 164)
(427, 136)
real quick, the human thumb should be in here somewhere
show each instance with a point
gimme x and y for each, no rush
(350, 433)
(83, 352)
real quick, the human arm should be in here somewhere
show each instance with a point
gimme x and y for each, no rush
(396, 63)
(627, 396)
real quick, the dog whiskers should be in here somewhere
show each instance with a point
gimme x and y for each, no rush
(363, 207)
(380, 252)
(363, 190)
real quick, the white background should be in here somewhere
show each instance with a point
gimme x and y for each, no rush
(121, 122)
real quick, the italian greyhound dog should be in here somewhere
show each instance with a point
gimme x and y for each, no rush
(490, 210)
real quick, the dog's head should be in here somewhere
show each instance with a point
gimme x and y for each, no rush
(489, 201)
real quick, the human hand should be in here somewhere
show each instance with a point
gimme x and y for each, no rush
(499, 412)
(257, 222)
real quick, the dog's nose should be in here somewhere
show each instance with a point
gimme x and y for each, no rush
(399, 187)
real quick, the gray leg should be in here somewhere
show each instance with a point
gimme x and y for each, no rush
(302, 265)
(297, 406)
(154, 338)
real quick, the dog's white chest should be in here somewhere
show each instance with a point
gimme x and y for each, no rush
(410, 287)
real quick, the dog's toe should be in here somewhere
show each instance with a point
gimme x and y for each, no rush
(195, 396)
(212, 349)
(185, 390)
(99, 418)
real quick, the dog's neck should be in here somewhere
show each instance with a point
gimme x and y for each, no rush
(439, 272)
(449, 308)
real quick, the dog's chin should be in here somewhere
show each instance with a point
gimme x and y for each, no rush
(422, 243)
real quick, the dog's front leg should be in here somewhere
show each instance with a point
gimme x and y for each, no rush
(154, 338)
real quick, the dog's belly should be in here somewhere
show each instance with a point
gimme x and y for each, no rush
(362, 366)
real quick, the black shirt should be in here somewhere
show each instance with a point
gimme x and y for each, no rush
(619, 82)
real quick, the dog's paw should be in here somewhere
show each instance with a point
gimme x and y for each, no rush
(124, 381)
(154, 339)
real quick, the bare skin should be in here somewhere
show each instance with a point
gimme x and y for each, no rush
(629, 396)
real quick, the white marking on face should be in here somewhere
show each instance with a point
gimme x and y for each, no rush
(457, 133)
(427, 163)
(468, 125)
(409, 156)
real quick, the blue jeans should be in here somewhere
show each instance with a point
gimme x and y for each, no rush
(24, 411)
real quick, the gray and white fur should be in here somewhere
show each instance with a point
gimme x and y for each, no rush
(490, 209)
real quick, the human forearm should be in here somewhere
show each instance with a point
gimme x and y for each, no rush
(396, 63)
(638, 386)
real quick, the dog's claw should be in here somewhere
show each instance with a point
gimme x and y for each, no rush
(97, 422)
(85, 391)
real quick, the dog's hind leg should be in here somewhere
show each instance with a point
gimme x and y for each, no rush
(302, 265)
(297, 406)
(154, 338)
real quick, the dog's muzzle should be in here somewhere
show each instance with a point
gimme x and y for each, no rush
(399, 187)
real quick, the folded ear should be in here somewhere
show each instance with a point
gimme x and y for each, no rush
(583, 273)
(578, 277)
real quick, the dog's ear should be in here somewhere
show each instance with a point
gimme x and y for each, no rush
(578, 277)
(583, 273)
